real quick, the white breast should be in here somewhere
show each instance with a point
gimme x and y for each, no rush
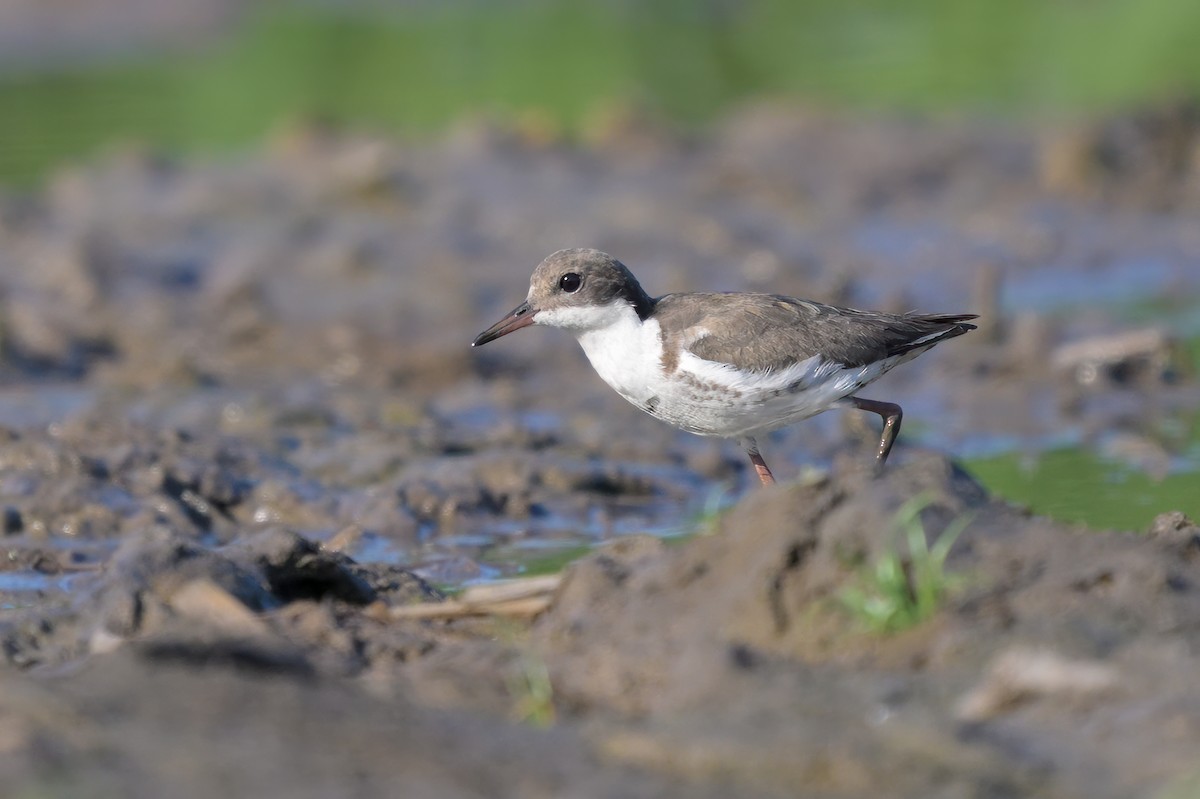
(627, 354)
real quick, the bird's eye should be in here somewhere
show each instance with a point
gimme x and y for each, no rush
(570, 282)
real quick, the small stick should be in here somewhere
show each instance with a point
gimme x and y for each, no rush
(521, 598)
(511, 589)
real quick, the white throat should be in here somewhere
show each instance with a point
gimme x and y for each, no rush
(625, 351)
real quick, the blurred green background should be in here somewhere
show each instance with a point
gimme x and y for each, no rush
(224, 79)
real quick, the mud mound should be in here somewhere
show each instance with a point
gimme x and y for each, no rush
(132, 726)
(1064, 664)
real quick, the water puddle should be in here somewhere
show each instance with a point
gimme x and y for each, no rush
(491, 548)
(1121, 482)
(1076, 484)
(38, 406)
(26, 589)
(1057, 287)
(501, 549)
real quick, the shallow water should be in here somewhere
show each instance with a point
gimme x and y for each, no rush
(31, 589)
(1115, 487)
(499, 549)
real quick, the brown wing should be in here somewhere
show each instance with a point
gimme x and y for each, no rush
(764, 332)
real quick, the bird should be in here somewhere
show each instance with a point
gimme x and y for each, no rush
(735, 365)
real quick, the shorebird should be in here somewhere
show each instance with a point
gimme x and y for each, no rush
(734, 365)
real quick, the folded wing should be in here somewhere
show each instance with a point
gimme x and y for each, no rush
(770, 332)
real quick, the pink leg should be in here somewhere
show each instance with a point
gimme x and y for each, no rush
(760, 466)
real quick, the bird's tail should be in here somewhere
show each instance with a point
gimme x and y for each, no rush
(933, 328)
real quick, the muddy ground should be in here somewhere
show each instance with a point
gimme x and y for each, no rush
(241, 425)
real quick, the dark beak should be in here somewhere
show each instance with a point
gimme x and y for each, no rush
(519, 317)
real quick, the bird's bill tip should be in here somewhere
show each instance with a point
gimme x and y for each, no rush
(521, 316)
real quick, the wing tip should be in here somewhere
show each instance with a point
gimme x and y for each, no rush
(946, 326)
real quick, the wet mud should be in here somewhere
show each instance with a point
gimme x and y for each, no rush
(243, 429)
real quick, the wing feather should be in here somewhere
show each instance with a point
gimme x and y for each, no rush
(769, 332)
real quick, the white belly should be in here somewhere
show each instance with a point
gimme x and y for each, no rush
(713, 399)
